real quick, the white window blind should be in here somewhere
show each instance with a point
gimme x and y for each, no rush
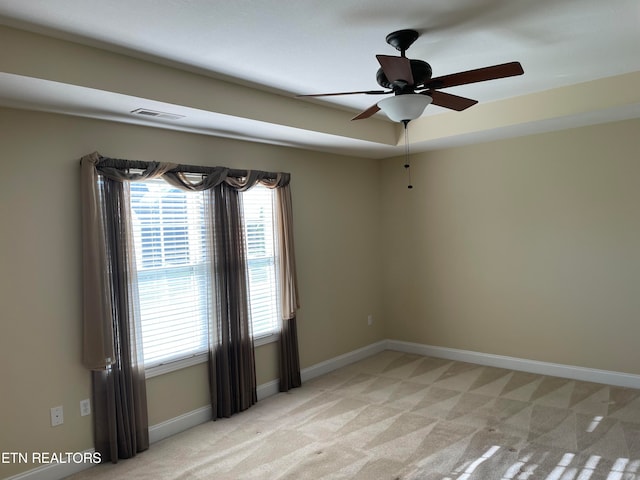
(173, 274)
(260, 238)
(173, 268)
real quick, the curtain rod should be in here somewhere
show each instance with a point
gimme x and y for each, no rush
(141, 164)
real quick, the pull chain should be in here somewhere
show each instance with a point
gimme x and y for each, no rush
(407, 164)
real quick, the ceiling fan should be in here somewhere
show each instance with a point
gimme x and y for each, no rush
(411, 83)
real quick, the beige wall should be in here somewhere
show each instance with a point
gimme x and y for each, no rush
(525, 247)
(528, 247)
(337, 240)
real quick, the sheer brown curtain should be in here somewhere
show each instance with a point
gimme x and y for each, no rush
(289, 356)
(231, 356)
(111, 337)
(120, 412)
(111, 333)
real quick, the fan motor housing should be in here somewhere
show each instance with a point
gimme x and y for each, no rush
(420, 70)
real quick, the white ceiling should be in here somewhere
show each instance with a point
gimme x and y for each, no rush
(308, 46)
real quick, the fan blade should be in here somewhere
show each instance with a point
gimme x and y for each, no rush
(447, 100)
(396, 68)
(478, 75)
(365, 92)
(368, 112)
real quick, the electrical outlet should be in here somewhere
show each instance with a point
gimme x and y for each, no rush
(57, 416)
(85, 407)
(370, 320)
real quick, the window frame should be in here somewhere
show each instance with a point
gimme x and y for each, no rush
(175, 364)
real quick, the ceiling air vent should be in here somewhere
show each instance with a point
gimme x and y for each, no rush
(145, 112)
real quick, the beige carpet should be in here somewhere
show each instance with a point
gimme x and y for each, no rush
(399, 416)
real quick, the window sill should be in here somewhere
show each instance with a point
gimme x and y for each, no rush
(263, 340)
(176, 365)
(200, 358)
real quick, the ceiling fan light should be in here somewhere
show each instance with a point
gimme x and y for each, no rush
(407, 107)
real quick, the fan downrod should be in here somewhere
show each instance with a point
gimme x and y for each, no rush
(401, 40)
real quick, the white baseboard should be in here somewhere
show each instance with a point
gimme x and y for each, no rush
(512, 363)
(179, 424)
(267, 389)
(342, 360)
(55, 471)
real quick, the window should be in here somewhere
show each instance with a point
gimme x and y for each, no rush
(258, 209)
(174, 278)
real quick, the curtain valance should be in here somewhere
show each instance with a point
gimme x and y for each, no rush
(178, 175)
